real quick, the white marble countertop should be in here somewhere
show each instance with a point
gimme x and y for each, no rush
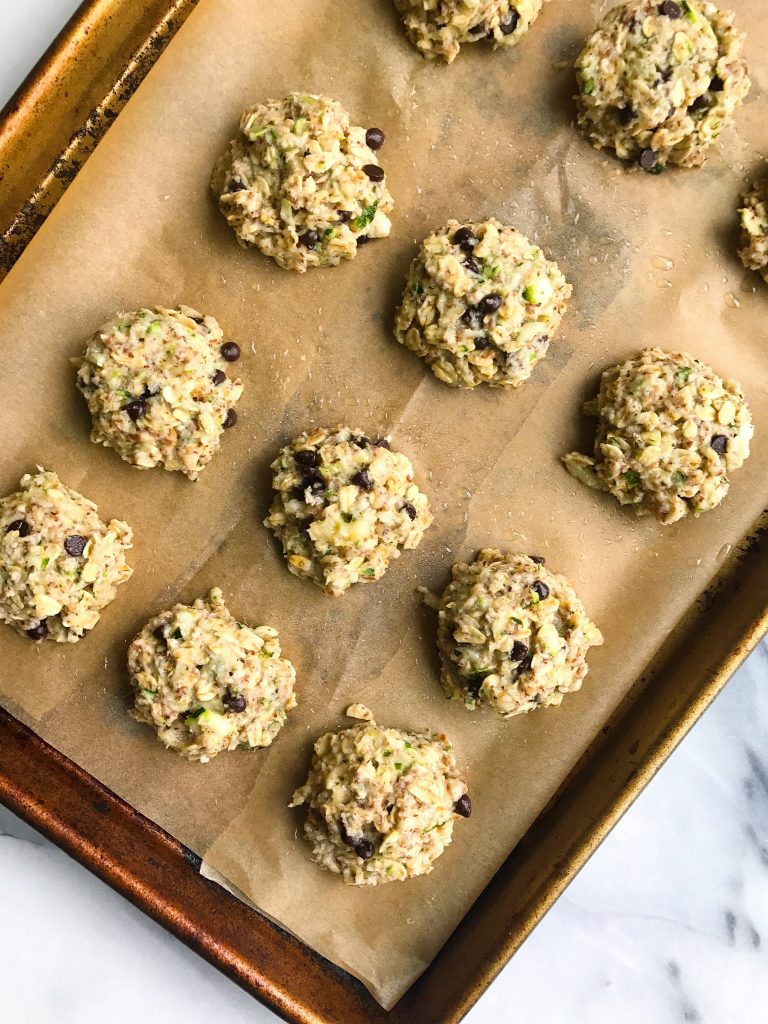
(668, 922)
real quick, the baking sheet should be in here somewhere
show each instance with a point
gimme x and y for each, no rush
(490, 135)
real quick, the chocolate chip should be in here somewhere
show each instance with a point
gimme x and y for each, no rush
(236, 185)
(671, 9)
(526, 663)
(75, 545)
(374, 138)
(489, 304)
(647, 159)
(307, 458)
(362, 847)
(465, 238)
(362, 239)
(463, 806)
(374, 172)
(136, 408)
(541, 589)
(363, 480)
(472, 317)
(38, 632)
(508, 27)
(518, 652)
(360, 441)
(409, 510)
(719, 443)
(199, 320)
(382, 442)
(219, 377)
(700, 103)
(309, 239)
(717, 84)
(20, 526)
(234, 702)
(483, 343)
(626, 114)
(538, 559)
(230, 351)
(473, 266)
(477, 30)
(230, 419)
(159, 633)
(344, 216)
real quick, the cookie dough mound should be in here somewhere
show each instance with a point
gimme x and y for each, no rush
(381, 802)
(344, 507)
(206, 682)
(512, 635)
(302, 184)
(754, 228)
(157, 387)
(669, 432)
(60, 564)
(481, 304)
(439, 27)
(659, 81)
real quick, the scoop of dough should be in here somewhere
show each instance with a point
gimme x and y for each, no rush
(439, 27)
(206, 682)
(481, 304)
(669, 432)
(381, 802)
(157, 387)
(344, 507)
(60, 564)
(659, 81)
(512, 635)
(754, 228)
(302, 184)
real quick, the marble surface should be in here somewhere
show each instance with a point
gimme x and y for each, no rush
(668, 922)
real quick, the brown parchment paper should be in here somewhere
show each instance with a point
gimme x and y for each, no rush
(652, 261)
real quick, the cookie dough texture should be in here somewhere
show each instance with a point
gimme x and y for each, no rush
(754, 228)
(156, 385)
(659, 81)
(302, 184)
(669, 433)
(60, 564)
(206, 682)
(481, 304)
(344, 507)
(512, 635)
(381, 803)
(438, 28)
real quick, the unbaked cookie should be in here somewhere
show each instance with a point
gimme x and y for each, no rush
(669, 432)
(754, 228)
(439, 27)
(381, 802)
(344, 507)
(157, 387)
(481, 304)
(206, 682)
(659, 81)
(512, 635)
(60, 564)
(302, 184)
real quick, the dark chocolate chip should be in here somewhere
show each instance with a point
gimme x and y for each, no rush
(483, 343)
(647, 159)
(234, 702)
(540, 588)
(479, 29)
(307, 458)
(719, 443)
(362, 239)
(309, 239)
(717, 84)
(159, 633)
(136, 408)
(463, 806)
(465, 238)
(345, 216)
(20, 526)
(230, 351)
(518, 652)
(472, 317)
(671, 9)
(230, 419)
(538, 559)
(362, 847)
(199, 320)
(219, 377)
(382, 442)
(700, 103)
(75, 545)
(363, 480)
(409, 510)
(374, 172)
(38, 632)
(360, 441)
(489, 304)
(508, 27)
(236, 185)
(374, 138)
(626, 114)
(526, 663)
(473, 266)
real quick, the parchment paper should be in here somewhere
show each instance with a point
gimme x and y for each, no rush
(652, 261)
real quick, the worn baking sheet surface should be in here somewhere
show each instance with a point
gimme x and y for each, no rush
(490, 135)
